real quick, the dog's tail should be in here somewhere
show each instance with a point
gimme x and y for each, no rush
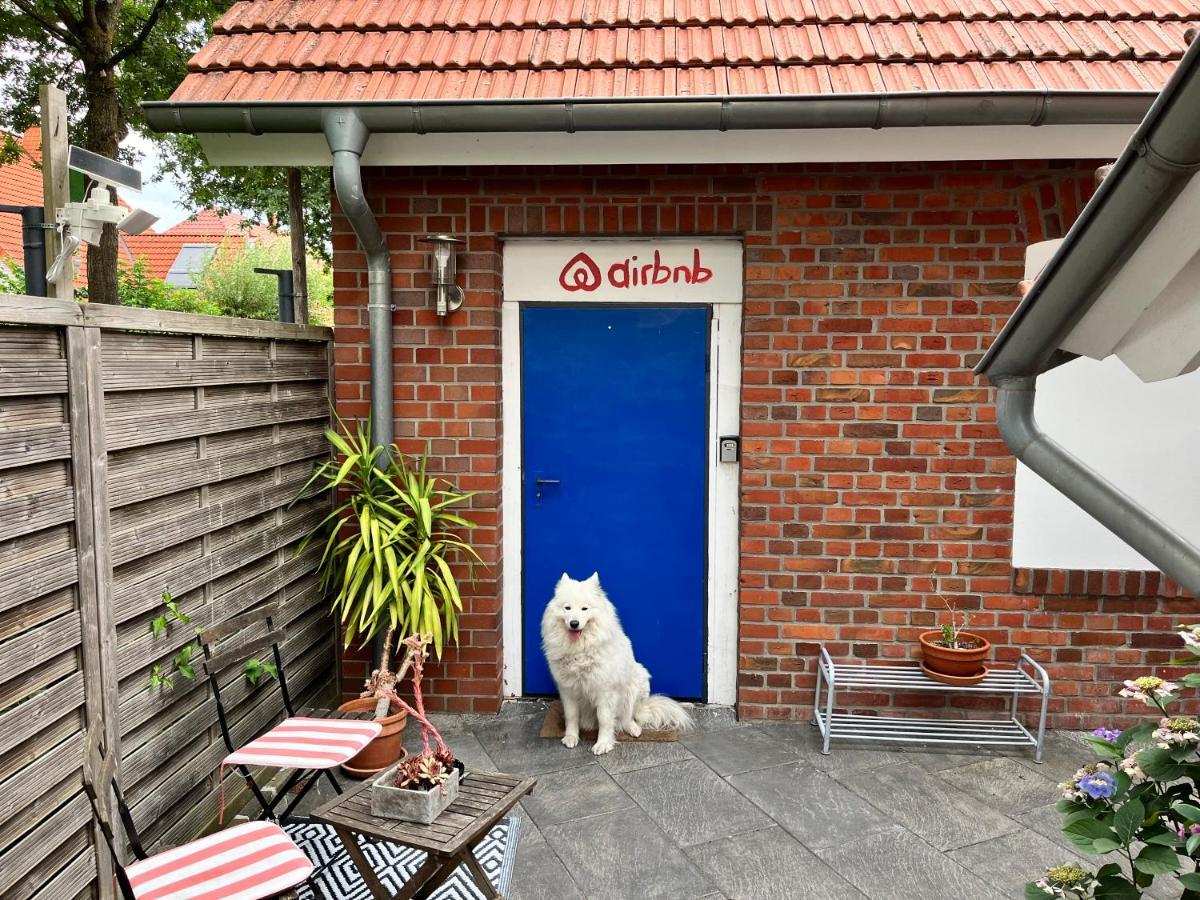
(660, 713)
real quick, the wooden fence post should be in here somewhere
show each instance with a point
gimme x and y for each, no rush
(89, 464)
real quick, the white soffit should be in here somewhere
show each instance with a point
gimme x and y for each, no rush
(1149, 314)
(628, 147)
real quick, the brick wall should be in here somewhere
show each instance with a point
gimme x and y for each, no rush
(873, 479)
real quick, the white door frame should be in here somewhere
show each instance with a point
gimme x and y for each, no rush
(724, 418)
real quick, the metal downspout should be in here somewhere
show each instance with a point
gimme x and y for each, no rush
(347, 137)
(1093, 493)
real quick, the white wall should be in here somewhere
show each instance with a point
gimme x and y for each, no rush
(1143, 437)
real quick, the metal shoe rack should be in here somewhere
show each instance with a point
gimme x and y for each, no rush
(1026, 678)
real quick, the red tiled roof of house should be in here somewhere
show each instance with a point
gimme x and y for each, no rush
(20, 185)
(372, 50)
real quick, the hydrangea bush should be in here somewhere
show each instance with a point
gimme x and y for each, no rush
(1139, 802)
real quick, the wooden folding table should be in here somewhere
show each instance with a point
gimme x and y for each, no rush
(448, 842)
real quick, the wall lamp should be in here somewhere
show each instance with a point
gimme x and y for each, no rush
(445, 268)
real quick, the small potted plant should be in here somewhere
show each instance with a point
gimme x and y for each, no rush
(954, 656)
(388, 548)
(418, 788)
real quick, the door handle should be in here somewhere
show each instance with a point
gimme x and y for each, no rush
(538, 483)
(546, 481)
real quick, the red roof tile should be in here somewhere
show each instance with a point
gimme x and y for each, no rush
(492, 49)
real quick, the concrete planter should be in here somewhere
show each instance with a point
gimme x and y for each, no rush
(393, 802)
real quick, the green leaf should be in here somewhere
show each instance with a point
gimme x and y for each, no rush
(1033, 892)
(1159, 764)
(1106, 749)
(1192, 843)
(1115, 887)
(1190, 880)
(1105, 845)
(1156, 860)
(1137, 733)
(1128, 819)
(158, 625)
(1188, 811)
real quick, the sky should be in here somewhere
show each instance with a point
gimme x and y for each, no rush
(158, 196)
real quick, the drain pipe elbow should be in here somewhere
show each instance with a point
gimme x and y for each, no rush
(1097, 496)
(347, 137)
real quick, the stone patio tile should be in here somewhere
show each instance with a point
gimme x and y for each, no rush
(733, 750)
(631, 755)
(898, 865)
(573, 794)
(1008, 862)
(769, 865)
(514, 746)
(691, 803)
(812, 806)
(928, 806)
(844, 758)
(1003, 784)
(712, 718)
(625, 855)
(540, 875)
(1063, 753)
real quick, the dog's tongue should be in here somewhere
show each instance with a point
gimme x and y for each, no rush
(574, 635)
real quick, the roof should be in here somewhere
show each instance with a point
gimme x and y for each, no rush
(1125, 279)
(160, 249)
(20, 185)
(381, 50)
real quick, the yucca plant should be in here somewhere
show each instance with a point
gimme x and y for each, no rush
(388, 548)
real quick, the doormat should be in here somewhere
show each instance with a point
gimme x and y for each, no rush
(395, 863)
(553, 726)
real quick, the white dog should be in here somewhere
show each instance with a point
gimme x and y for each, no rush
(599, 681)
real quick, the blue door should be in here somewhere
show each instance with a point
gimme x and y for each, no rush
(615, 453)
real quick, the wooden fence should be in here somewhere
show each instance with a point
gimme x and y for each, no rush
(142, 451)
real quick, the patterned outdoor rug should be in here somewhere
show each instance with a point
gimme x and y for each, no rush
(394, 863)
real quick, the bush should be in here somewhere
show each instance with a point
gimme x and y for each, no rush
(229, 282)
(1139, 800)
(12, 277)
(137, 287)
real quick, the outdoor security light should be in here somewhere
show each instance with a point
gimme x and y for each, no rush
(449, 294)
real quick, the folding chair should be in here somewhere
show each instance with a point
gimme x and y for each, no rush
(247, 862)
(312, 745)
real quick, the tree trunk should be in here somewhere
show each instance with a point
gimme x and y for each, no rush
(296, 231)
(104, 128)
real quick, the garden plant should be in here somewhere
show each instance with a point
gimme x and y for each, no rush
(1139, 802)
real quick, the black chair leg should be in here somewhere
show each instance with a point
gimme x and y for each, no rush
(308, 785)
(333, 781)
(258, 794)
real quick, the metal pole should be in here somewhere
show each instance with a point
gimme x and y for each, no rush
(33, 242)
(287, 305)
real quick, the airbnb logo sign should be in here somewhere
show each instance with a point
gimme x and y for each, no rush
(581, 273)
(667, 270)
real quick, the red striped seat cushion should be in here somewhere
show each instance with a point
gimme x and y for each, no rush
(245, 862)
(303, 743)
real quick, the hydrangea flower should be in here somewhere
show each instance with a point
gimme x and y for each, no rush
(1183, 832)
(1095, 781)
(1147, 688)
(1181, 731)
(1191, 636)
(1106, 734)
(1069, 877)
(1099, 786)
(1131, 768)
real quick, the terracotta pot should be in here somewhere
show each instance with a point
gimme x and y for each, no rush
(384, 750)
(952, 661)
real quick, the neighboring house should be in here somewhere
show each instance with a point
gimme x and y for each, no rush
(173, 255)
(179, 252)
(796, 224)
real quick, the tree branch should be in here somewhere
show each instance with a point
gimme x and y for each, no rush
(65, 14)
(135, 45)
(62, 34)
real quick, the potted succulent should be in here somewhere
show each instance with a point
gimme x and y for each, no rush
(418, 788)
(954, 656)
(388, 549)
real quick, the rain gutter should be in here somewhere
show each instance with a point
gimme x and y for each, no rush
(710, 113)
(347, 137)
(1161, 158)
